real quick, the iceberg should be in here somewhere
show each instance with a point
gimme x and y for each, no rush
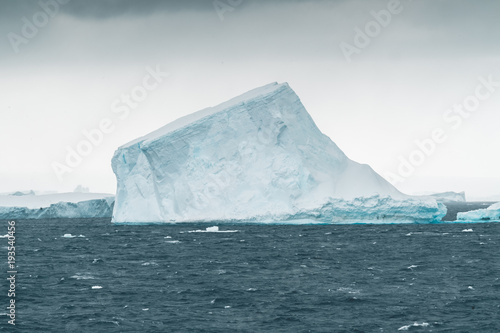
(60, 205)
(258, 157)
(450, 196)
(490, 214)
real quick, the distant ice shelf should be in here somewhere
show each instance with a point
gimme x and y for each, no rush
(256, 158)
(449, 196)
(60, 205)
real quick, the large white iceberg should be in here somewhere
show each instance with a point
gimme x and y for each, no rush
(490, 214)
(258, 157)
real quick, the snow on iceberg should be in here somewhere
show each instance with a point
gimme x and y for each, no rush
(258, 157)
(492, 213)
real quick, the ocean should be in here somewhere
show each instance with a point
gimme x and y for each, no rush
(93, 276)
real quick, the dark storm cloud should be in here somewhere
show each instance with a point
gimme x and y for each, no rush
(100, 9)
(110, 8)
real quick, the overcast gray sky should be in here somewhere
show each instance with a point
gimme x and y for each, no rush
(65, 75)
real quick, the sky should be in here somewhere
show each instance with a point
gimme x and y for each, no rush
(411, 88)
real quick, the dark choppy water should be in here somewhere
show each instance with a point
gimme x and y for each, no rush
(281, 278)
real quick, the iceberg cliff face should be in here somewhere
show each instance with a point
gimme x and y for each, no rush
(258, 157)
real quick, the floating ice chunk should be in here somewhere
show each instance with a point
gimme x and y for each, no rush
(72, 236)
(4, 236)
(213, 229)
(96, 287)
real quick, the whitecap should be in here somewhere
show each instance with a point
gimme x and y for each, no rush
(348, 290)
(68, 236)
(168, 237)
(96, 287)
(467, 230)
(4, 236)
(82, 276)
(415, 324)
(173, 242)
(412, 266)
(152, 263)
